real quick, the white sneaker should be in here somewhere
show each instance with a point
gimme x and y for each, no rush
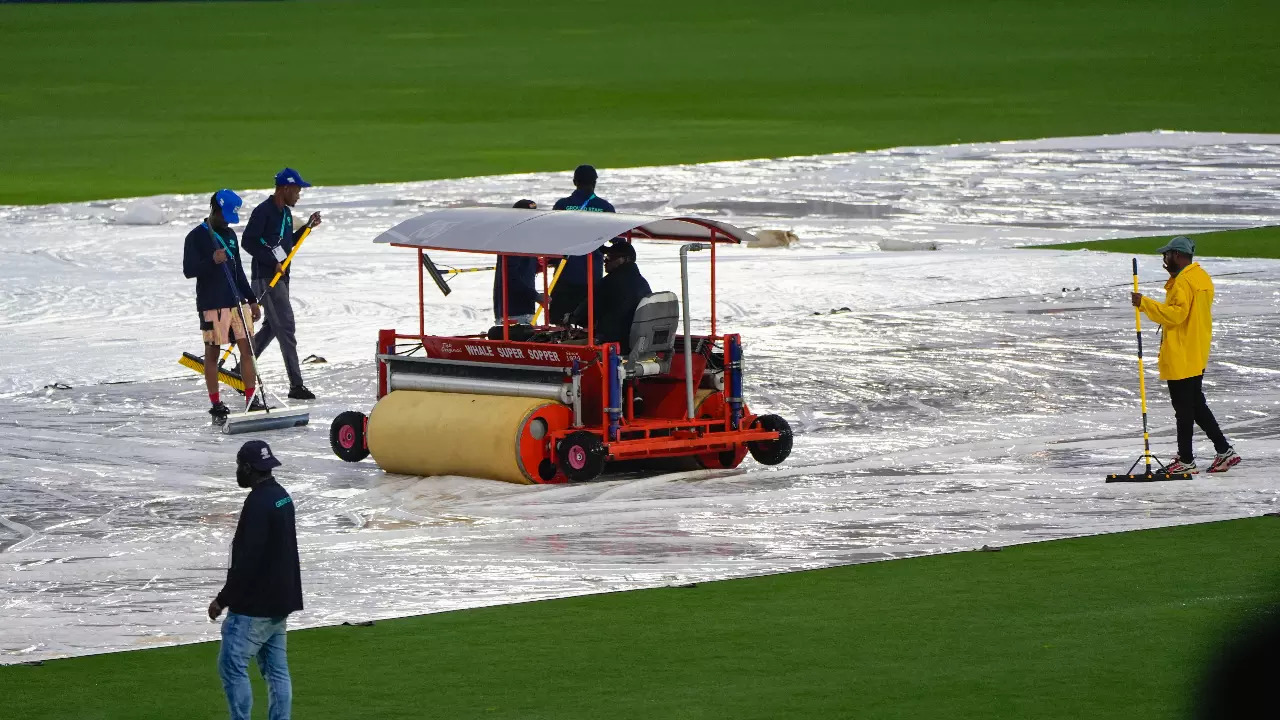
(1177, 466)
(1224, 461)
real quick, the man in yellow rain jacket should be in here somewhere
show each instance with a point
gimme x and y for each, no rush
(1186, 322)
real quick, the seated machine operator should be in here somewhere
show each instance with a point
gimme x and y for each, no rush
(616, 296)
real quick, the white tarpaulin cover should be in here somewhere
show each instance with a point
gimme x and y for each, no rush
(942, 401)
(546, 232)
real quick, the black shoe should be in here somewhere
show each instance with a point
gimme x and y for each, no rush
(219, 413)
(300, 392)
(258, 403)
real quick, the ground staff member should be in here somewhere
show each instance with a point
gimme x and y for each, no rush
(617, 296)
(269, 237)
(571, 289)
(210, 251)
(1186, 323)
(521, 274)
(263, 586)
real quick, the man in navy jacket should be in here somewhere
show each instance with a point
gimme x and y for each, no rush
(264, 585)
(269, 237)
(617, 296)
(521, 273)
(211, 255)
(571, 288)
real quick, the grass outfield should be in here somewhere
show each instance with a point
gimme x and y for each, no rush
(1263, 242)
(122, 99)
(1117, 626)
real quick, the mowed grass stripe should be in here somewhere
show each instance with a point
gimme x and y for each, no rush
(1115, 626)
(1263, 242)
(123, 99)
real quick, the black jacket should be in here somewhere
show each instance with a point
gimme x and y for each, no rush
(268, 227)
(213, 292)
(575, 272)
(522, 292)
(264, 579)
(617, 296)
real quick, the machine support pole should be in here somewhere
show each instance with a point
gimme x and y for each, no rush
(422, 313)
(506, 323)
(713, 284)
(735, 381)
(688, 341)
(575, 379)
(386, 346)
(614, 366)
(591, 300)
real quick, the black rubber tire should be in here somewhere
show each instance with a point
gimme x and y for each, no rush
(771, 452)
(582, 456)
(346, 436)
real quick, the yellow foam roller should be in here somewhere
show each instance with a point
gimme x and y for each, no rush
(487, 436)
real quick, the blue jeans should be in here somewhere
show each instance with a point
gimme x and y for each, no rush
(244, 637)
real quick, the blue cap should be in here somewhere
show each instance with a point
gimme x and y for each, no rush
(289, 176)
(257, 455)
(1182, 244)
(229, 205)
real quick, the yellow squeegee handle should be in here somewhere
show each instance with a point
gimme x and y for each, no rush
(285, 265)
(1142, 376)
(552, 286)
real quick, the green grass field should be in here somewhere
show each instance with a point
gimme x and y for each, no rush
(125, 99)
(1263, 242)
(1119, 626)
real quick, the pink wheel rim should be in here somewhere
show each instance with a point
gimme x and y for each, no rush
(577, 457)
(347, 437)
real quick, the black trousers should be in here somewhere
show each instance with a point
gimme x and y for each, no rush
(277, 323)
(1191, 409)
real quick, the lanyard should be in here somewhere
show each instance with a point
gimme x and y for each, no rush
(218, 237)
(286, 216)
(585, 203)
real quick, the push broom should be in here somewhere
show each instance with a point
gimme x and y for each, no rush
(1148, 476)
(231, 377)
(267, 418)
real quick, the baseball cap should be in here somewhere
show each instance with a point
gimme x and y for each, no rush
(228, 204)
(584, 175)
(257, 455)
(620, 248)
(289, 176)
(1182, 244)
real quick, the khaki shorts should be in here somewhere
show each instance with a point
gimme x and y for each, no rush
(223, 326)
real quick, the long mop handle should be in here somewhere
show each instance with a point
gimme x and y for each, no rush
(552, 286)
(1142, 376)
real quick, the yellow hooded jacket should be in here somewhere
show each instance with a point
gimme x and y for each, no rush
(1187, 321)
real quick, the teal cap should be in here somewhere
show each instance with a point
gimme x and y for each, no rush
(1182, 244)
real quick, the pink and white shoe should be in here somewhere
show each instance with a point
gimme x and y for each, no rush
(1224, 461)
(1178, 467)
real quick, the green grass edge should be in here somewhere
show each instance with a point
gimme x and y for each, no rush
(1048, 629)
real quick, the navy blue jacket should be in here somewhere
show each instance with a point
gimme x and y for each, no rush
(268, 227)
(264, 579)
(575, 273)
(617, 296)
(522, 292)
(213, 292)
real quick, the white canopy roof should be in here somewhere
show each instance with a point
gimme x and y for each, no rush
(547, 232)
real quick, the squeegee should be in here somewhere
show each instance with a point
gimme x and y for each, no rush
(1148, 476)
